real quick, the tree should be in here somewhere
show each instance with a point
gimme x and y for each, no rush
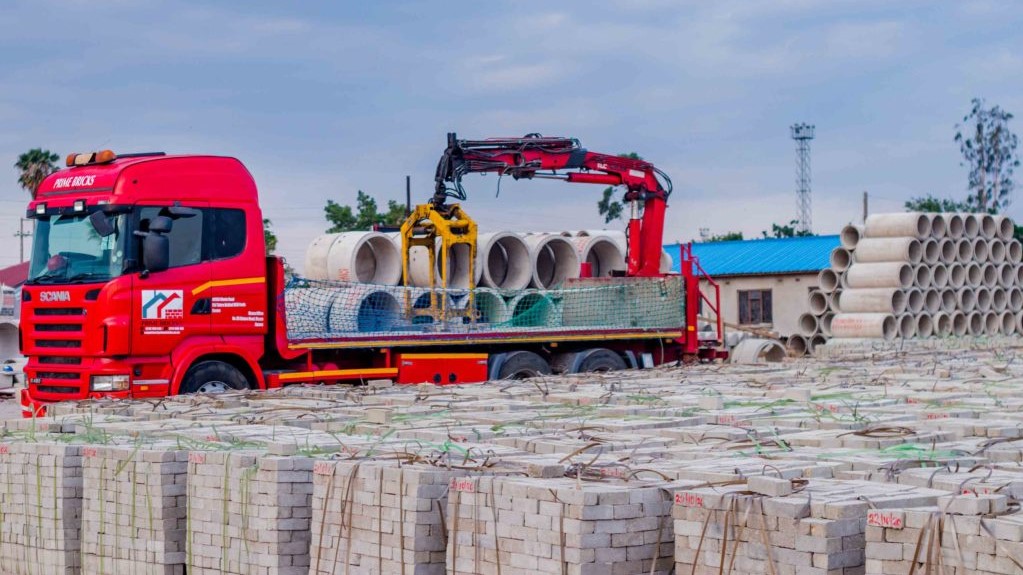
(269, 237)
(989, 149)
(35, 165)
(787, 231)
(930, 203)
(725, 237)
(608, 206)
(366, 214)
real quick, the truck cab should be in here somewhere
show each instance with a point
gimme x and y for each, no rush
(147, 278)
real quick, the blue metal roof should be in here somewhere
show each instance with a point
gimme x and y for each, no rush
(767, 256)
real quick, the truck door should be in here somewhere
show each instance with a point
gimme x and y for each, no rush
(165, 311)
(237, 295)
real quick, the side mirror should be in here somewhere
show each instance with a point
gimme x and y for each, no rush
(101, 223)
(161, 225)
(156, 252)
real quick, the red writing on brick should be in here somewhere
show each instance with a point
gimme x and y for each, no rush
(463, 485)
(612, 471)
(323, 468)
(688, 499)
(88, 452)
(936, 416)
(196, 457)
(888, 520)
(4, 449)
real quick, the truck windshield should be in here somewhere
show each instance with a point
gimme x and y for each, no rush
(68, 249)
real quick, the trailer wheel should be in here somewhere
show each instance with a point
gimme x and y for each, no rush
(602, 360)
(213, 377)
(522, 364)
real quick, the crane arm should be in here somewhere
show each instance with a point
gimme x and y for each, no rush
(536, 156)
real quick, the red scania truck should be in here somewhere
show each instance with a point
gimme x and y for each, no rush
(149, 278)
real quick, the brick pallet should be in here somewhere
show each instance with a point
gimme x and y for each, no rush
(134, 510)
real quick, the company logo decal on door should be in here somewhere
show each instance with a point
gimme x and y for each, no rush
(163, 311)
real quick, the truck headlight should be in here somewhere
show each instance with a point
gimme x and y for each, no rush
(110, 382)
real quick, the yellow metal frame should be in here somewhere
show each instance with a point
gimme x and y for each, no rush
(422, 228)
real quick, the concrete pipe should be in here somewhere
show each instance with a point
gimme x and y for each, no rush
(974, 275)
(824, 324)
(818, 301)
(1019, 322)
(490, 308)
(602, 253)
(827, 279)
(992, 325)
(421, 299)
(873, 300)
(872, 250)
(914, 300)
(906, 326)
(841, 259)
(971, 226)
(896, 225)
(999, 299)
(922, 276)
(797, 345)
(981, 250)
(458, 267)
(964, 251)
(1013, 252)
(817, 341)
(953, 225)
(1019, 274)
(533, 308)
(939, 276)
(966, 299)
(1007, 323)
(1005, 226)
(503, 261)
(949, 301)
(956, 275)
(864, 325)
(938, 227)
(809, 325)
(666, 262)
(617, 236)
(308, 310)
(942, 324)
(364, 308)
(996, 251)
(1006, 275)
(988, 227)
(932, 301)
(947, 251)
(932, 251)
(850, 236)
(924, 325)
(1015, 299)
(960, 324)
(975, 323)
(554, 260)
(891, 274)
(364, 257)
(989, 274)
(983, 299)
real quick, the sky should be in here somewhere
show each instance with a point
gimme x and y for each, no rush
(321, 99)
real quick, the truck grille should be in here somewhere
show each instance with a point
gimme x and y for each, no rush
(56, 389)
(59, 343)
(60, 311)
(59, 327)
(57, 375)
(59, 360)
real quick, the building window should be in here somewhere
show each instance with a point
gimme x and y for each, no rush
(755, 307)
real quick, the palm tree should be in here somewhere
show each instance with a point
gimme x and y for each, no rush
(35, 165)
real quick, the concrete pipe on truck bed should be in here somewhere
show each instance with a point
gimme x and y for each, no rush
(363, 257)
(873, 300)
(364, 309)
(308, 311)
(503, 260)
(554, 260)
(490, 307)
(913, 224)
(872, 250)
(533, 308)
(891, 274)
(458, 267)
(864, 325)
(602, 253)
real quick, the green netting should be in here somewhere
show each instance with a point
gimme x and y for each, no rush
(322, 309)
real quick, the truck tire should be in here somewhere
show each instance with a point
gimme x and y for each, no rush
(601, 359)
(213, 377)
(522, 364)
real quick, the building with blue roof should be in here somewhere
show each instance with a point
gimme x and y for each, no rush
(764, 283)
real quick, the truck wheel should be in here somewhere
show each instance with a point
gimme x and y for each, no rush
(522, 364)
(213, 377)
(602, 360)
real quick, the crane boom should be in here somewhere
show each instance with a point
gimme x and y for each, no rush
(536, 156)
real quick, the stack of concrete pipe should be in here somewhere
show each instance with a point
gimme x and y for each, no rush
(918, 275)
